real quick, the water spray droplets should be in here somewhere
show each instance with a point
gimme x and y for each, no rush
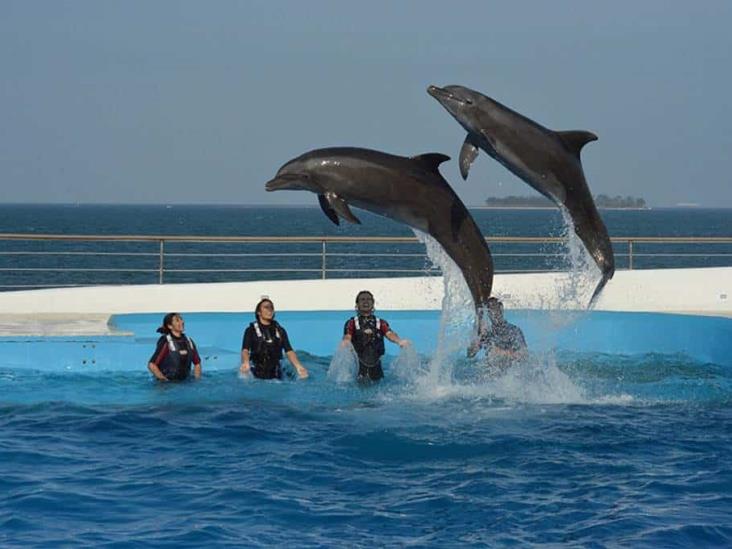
(574, 291)
(457, 318)
(344, 365)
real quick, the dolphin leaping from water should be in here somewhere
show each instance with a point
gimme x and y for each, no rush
(409, 190)
(549, 161)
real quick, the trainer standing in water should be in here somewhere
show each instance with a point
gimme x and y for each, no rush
(505, 342)
(175, 352)
(263, 343)
(366, 333)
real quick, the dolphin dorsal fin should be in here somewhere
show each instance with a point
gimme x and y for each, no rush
(431, 161)
(574, 140)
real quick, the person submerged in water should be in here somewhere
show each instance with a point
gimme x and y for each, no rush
(366, 333)
(263, 343)
(504, 342)
(175, 352)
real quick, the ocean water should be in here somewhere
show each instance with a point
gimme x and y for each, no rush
(571, 449)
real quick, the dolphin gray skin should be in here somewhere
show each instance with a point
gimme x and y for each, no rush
(409, 190)
(549, 161)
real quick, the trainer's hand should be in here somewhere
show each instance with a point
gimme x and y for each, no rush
(473, 348)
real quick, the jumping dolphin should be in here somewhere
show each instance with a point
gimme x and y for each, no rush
(549, 161)
(409, 190)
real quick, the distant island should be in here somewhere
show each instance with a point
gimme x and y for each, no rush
(601, 200)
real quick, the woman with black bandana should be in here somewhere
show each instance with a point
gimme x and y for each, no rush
(263, 343)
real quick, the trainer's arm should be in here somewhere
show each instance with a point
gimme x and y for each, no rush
(245, 366)
(473, 348)
(392, 336)
(347, 333)
(154, 370)
(301, 371)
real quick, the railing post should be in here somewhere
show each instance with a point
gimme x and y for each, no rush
(322, 263)
(160, 262)
(630, 255)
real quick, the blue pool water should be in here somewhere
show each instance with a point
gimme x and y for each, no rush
(625, 444)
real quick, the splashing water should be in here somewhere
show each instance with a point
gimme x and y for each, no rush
(407, 367)
(540, 379)
(537, 379)
(458, 313)
(344, 365)
(570, 292)
(574, 291)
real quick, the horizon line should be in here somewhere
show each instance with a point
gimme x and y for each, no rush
(688, 206)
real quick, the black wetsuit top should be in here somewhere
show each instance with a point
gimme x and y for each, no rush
(265, 352)
(367, 337)
(174, 356)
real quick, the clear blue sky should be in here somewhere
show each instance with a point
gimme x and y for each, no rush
(201, 102)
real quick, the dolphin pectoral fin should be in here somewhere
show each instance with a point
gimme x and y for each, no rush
(341, 207)
(431, 161)
(327, 210)
(468, 154)
(574, 140)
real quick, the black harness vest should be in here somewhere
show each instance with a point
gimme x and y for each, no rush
(267, 352)
(177, 363)
(368, 341)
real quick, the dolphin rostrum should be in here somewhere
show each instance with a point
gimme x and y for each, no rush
(409, 190)
(549, 161)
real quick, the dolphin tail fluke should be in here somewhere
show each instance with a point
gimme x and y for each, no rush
(598, 289)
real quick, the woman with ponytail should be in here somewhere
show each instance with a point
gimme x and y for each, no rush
(175, 352)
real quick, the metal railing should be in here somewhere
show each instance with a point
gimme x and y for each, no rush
(51, 260)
